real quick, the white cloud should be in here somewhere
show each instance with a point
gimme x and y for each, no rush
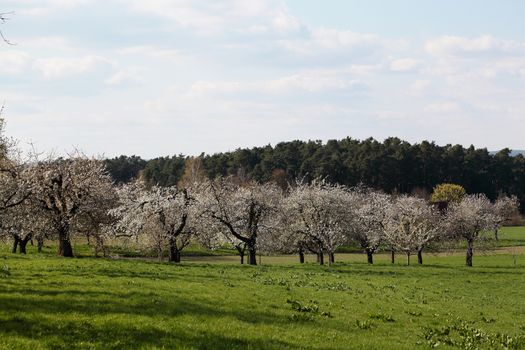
(404, 64)
(445, 107)
(152, 51)
(456, 45)
(331, 39)
(196, 14)
(419, 86)
(126, 76)
(13, 61)
(314, 81)
(58, 67)
(215, 17)
(46, 7)
(365, 69)
(56, 43)
(303, 82)
(200, 88)
(285, 22)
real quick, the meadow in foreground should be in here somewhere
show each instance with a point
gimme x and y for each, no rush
(48, 302)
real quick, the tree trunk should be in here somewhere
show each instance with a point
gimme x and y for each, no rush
(64, 248)
(470, 252)
(40, 245)
(99, 246)
(241, 252)
(370, 256)
(23, 245)
(393, 256)
(15, 244)
(420, 256)
(301, 256)
(64, 244)
(496, 234)
(252, 256)
(331, 258)
(174, 252)
(174, 256)
(320, 256)
(408, 258)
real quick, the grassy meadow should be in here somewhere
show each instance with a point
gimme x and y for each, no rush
(211, 302)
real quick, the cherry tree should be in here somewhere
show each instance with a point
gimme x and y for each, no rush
(468, 218)
(159, 216)
(67, 189)
(369, 217)
(15, 186)
(320, 217)
(243, 212)
(14, 177)
(131, 221)
(95, 216)
(410, 224)
(25, 223)
(504, 208)
(169, 210)
(288, 237)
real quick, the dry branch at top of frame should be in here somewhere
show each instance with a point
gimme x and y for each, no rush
(4, 17)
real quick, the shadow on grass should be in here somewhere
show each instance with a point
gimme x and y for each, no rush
(127, 303)
(50, 313)
(118, 335)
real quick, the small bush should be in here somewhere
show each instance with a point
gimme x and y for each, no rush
(5, 272)
(307, 310)
(366, 324)
(382, 317)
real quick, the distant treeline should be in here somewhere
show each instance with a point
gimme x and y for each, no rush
(393, 166)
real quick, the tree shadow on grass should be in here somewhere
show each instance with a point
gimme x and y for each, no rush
(49, 318)
(72, 335)
(93, 303)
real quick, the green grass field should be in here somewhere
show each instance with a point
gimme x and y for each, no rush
(208, 302)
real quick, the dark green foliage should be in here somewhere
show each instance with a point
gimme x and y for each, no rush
(124, 169)
(164, 171)
(392, 165)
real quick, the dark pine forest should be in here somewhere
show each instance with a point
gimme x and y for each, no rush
(392, 165)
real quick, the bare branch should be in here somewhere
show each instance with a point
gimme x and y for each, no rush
(3, 19)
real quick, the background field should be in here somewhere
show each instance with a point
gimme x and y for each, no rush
(207, 302)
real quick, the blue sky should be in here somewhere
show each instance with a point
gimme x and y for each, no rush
(416, 18)
(163, 77)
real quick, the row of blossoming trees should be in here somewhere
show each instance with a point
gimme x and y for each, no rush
(316, 217)
(58, 198)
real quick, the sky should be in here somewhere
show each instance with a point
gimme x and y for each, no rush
(164, 77)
